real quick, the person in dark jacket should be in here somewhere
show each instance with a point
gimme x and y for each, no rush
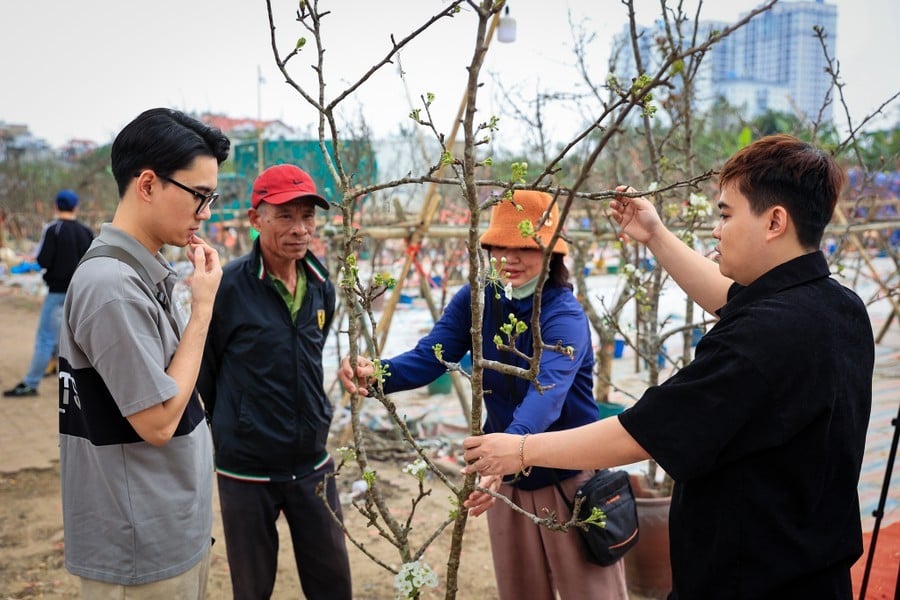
(63, 242)
(530, 561)
(764, 432)
(262, 383)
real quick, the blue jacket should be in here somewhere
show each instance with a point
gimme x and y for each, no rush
(514, 405)
(261, 378)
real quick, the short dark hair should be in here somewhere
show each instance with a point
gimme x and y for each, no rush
(165, 140)
(782, 170)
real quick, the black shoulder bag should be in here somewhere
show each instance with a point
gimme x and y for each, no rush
(610, 491)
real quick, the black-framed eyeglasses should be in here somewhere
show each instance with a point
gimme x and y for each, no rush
(206, 200)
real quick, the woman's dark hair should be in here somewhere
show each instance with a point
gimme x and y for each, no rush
(558, 275)
(782, 170)
(164, 140)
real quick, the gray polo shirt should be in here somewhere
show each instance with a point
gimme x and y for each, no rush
(133, 513)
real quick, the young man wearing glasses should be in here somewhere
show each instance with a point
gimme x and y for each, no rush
(262, 384)
(135, 449)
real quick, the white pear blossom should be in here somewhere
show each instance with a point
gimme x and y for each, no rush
(413, 576)
(417, 468)
(699, 205)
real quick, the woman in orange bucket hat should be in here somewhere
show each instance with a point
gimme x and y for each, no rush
(530, 561)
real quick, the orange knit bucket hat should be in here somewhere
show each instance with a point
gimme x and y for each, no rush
(526, 205)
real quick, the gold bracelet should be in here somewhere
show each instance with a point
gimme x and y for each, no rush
(526, 471)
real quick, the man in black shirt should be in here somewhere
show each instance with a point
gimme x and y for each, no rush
(764, 431)
(63, 242)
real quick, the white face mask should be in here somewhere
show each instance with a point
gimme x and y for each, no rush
(523, 291)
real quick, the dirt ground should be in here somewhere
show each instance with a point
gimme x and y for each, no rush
(31, 539)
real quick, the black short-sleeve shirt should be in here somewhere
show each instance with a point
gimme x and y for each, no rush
(764, 434)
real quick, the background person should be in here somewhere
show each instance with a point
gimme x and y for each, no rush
(764, 432)
(63, 242)
(135, 450)
(262, 382)
(530, 561)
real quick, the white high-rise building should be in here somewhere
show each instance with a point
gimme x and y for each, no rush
(775, 62)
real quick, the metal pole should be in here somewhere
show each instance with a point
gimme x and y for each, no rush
(259, 142)
(878, 513)
(429, 209)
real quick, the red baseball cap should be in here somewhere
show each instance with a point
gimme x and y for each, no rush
(282, 183)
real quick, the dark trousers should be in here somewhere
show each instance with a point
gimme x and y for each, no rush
(249, 512)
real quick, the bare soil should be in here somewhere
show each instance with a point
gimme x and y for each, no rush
(31, 538)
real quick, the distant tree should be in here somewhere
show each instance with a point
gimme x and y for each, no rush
(28, 188)
(880, 150)
(720, 132)
(774, 121)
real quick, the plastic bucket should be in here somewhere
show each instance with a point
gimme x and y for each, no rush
(465, 363)
(609, 409)
(441, 385)
(696, 334)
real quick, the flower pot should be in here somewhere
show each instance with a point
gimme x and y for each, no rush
(647, 569)
(609, 409)
(696, 334)
(441, 385)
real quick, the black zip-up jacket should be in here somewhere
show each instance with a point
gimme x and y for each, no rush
(261, 378)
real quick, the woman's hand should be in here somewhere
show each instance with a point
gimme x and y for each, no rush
(364, 372)
(478, 502)
(493, 454)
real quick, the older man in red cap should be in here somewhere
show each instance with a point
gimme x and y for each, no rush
(261, 380)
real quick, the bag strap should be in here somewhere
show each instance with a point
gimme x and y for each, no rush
(123, 255)
(569, 503)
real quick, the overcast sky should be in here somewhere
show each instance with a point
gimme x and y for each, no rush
(84, 68)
